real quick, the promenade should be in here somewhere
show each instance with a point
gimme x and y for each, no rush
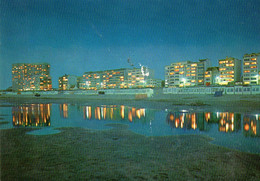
(226, 102)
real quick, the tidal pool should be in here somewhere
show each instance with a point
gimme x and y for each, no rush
(234, 130)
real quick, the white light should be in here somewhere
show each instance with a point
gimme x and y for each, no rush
(144, 72)
(183, 111)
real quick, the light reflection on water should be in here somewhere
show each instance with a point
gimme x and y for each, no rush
(235, 130)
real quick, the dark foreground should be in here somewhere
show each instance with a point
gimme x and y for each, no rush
(119, 154)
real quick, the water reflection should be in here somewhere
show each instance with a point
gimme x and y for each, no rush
(116, 113)
(32, 115)
(227, 122)
(227, 128)
(251, 125)
(64, 110)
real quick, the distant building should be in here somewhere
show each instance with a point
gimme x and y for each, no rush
(153, 83)
(211, 76)
(251, 69)
(139, 77)
(31, 76)
(230, 70)
(203, 64)
(116, 79)
(187, 73)
(67, 82)
(104, 79)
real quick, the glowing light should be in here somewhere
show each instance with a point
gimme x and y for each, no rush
(246, 127)
(122, 111)
(171, 117)
(227, 127)
(177, 121)
(144, 71)
(130, 117)
(138, 114)
(207, 116)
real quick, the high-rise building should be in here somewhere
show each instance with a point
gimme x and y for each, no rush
(104, 79)
(117, 78)
(202, 66)
(230, 70)
(251, 69)
(67, 82)
(139, 77)
(211, 76)
(31, 76)
(187, 73)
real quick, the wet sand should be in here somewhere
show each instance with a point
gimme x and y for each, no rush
(235, 103)
(119, 154)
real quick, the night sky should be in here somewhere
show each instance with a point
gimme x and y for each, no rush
(79, 36)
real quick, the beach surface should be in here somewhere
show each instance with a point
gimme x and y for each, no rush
(119, 154)
(235, 103)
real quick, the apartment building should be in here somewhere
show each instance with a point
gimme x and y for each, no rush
(31, 76)
(230, 70)
(67, 82)
(187, 73)
(251, 69)
(202, 66)
(104, 79)
(211, 76)
(117, 78)
(139, 77)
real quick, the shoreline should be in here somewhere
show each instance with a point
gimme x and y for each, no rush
(235, 103)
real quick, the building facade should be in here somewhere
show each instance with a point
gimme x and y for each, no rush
(31, 76)
(187, 73)
(230, 70)
(251, 69)
(211, 76)
(202, 66)
(67, 82)
(139, 77)
(117, 79)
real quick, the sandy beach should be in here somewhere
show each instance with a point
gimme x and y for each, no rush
(119, 154)
(235, 103)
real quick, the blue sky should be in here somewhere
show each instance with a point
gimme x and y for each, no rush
(79, 36)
